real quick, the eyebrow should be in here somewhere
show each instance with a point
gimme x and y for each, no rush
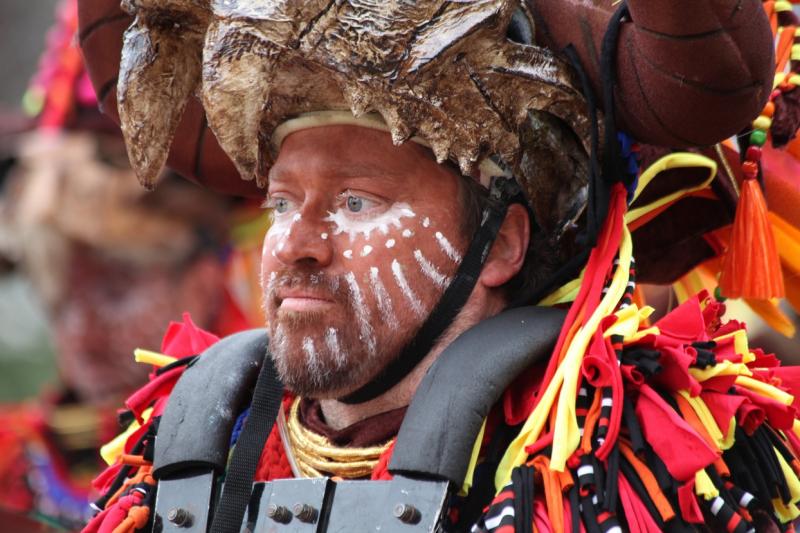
(355, 170)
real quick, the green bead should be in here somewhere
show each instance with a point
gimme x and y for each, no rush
(718, 295)
(758, 137)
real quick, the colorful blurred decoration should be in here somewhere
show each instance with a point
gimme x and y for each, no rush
(112, 264)
(757, 257)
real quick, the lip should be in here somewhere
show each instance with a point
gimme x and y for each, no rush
(302, 301)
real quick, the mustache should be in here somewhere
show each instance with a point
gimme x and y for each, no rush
(327, 285)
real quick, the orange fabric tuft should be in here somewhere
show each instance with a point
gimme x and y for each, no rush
(751, 267)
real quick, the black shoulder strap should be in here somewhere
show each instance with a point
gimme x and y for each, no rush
(242, 469)
(197, 423)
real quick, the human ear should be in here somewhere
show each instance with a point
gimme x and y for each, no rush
(509, 249)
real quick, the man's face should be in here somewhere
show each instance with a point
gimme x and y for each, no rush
(365, 238)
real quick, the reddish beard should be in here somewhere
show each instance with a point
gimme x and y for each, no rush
(311, 360)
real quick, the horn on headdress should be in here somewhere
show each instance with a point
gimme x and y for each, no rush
(159, 70)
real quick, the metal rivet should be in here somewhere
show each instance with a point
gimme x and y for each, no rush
(279, 513)
(305, 513)
(180, 517)
(406, 513)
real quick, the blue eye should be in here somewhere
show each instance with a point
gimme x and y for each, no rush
(280, 205)
(355, 204)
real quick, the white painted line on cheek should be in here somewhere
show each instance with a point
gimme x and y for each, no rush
(332, 342)
(366, 250)
(390, 243)
(271, 283)
(447, 248)
(311, 354)
(416, 305)
(431, 271)
(348, 254)
(383, 298)
(362, 314)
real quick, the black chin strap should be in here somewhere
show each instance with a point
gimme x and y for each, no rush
(504, 191)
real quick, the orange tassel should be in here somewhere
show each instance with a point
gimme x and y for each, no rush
(751, 267)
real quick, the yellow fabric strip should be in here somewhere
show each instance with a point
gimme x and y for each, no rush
(473, 461)
(722, 368)
(704, 414)
(785, 513)
(703, 486)
(670, 161)
(152, 358)
(564, 385)
(740, 344)
(791, 478)
(567, 437)
(114, 448)
(565, 293)
(765, 389)
(628, 321)
(730, 436)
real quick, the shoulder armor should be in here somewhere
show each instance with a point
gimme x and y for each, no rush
(196, 426)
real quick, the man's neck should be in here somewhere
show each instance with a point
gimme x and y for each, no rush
(339, 415)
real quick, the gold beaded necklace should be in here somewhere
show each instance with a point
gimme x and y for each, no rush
(317, 456)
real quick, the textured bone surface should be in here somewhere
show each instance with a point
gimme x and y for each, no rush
(443, 71)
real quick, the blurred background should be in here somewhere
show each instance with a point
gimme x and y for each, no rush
(92, 267)
(26, 353)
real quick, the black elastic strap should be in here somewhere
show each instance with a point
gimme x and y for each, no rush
(239, 477)
(503, 192)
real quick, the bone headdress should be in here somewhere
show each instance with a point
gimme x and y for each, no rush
(441, 71)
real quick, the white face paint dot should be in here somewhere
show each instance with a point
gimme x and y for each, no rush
(390, 243)
(407, 233)
(324, 236)
(366, 250)
(348, 254)
(426, 222)
(296, 217)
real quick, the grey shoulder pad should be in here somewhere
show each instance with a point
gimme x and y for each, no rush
(196, 426)
(454, 397)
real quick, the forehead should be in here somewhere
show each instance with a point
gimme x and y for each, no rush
(347, 151)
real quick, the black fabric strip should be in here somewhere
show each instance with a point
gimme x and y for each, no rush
(612, 483)
(745, 470)
(177, 363)
(589, 514)
(632, 423)
(519, 499)
(482, 491)
(239, 477)
(574, 504)
(724, 493)
(451, 302)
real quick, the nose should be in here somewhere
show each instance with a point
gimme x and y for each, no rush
(304, 241)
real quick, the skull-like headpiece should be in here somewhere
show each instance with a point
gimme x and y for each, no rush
(441, 71)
